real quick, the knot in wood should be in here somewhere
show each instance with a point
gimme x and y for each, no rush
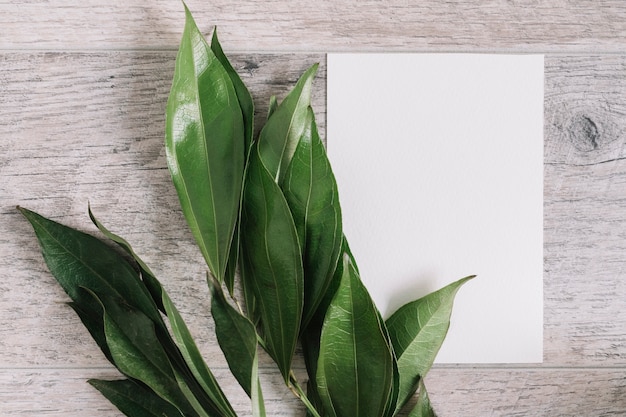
(583, 133)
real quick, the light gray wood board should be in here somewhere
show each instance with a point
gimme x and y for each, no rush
(585, 210)
(326, 25)
(454, 393)
(81, 127)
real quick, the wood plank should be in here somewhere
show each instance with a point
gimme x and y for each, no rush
(585, 214)
(454, 392)
(326, 25)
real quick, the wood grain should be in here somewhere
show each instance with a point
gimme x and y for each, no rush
(325, 25)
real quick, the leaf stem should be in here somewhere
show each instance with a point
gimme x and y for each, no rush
(295, 387)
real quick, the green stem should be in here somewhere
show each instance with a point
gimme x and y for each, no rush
(298, 392)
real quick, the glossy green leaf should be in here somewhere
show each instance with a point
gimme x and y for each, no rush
(205, 147)
(310, 189)
(272, 264)
(78, 260)
(423, 407)
(135, 400)
(417, 331)
(243, 95)
(355, 366)
(247, 109)
(280, 135)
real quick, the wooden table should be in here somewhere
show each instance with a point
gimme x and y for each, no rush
(83, 87)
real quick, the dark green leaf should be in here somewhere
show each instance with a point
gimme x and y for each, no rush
(355, 366)
(417, 331)
(423, 407)
(93, 319)
(311, 192)
(135, 400)
(78, 260)
(138, 353)
(236, 335)
(205, 147)
(272, 264)
(280, 135)
(151, 283)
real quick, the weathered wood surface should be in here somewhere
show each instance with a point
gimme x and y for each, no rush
(83, 90)
(324, 25)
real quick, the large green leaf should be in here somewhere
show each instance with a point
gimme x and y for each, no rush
(205, 147)
(423, 407)
(310, 189)
(272, 264)
(417, 331)
(247, 109)
(355, 365)
(78, 260)
(280, 135)
(135, 400)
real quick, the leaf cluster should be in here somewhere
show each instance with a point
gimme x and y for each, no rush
(265, 214)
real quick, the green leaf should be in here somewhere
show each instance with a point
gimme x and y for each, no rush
(280, 135)
(311, 192)
(423, 407)
(138, 353)
(272, 264)
(205, 147)
(247, 109)
(93, 320)
(272, 107)
(194, 359)
(236, 335)
(417, 331)
(355, 366)
(78, 260)
(135, 400)
(148, 278)
(243, 95)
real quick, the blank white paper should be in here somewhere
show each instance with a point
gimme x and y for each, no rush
(439, 164)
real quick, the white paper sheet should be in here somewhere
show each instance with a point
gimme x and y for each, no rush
(439, 163)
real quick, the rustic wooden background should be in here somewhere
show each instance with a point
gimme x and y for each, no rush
(83, 87)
